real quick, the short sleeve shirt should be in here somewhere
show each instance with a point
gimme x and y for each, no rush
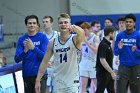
(104, 51)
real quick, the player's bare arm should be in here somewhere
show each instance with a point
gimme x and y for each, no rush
(79, 37)
(43, 66)
(107, 67)
(96, 43)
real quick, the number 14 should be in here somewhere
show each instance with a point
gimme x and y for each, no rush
(63, 57)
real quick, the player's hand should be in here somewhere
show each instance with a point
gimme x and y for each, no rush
(120, 45)
(71, 28)
(117, 61)
(134, 47)
(74, 28)
(26, 49)
(37, 86)
(29, 44)
(25, 46)
(113, 74)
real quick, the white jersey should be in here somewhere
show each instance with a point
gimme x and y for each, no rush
(116, 33)
(52, 36)
(88, 59)
(65, 66)
(115, 66)
(102, 34)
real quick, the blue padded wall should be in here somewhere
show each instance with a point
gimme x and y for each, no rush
(90, 18)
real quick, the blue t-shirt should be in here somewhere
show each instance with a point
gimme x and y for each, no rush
(126, 55)
(32, 59)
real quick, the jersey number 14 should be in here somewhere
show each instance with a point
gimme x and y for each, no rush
(63, 57)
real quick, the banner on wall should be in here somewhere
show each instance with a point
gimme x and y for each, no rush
(1, 29)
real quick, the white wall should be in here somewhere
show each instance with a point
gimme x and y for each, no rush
(99, 7)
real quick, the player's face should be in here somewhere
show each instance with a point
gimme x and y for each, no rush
(64, 24)
(108, 23)
(32, 25)
(87, 31)
(121, 25)
(96, 27)
(47, 24)
(129, 24)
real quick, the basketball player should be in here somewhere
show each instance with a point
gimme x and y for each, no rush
(88, 60)
(65, 66)
(51, 34)
(47, 24)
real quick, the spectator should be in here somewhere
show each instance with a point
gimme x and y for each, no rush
(30, 51)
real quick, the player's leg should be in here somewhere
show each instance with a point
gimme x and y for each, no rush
(83, 81)
(93, 84)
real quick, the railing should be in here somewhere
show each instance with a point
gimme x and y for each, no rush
(10, 68)
(10, 79)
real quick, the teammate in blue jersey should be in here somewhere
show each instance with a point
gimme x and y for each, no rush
(65, 66)
(127, 46)
(30, 51)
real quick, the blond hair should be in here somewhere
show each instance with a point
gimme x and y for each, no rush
(64, 15)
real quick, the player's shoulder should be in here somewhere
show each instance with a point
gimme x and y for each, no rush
(56, 32)
(23, 37)
(40, 34)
